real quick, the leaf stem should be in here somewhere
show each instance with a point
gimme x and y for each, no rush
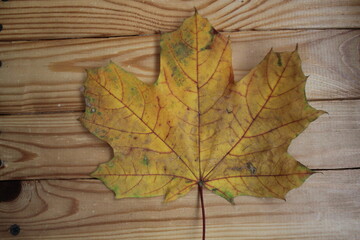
(200, 186)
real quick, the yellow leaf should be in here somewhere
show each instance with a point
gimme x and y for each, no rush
(197, 127)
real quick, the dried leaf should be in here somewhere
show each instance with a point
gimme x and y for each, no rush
(197, 127)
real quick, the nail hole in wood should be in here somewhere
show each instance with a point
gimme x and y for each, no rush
(9, 190)
(14, 229)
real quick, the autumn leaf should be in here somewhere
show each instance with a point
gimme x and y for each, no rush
(197, 127)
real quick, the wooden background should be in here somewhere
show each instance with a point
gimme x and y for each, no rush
(46, 155)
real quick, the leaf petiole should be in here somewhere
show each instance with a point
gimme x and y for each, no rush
(200, 187)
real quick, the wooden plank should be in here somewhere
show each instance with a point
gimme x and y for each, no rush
(46, 76)
(326, 207)
(57, 146)
(24, 20)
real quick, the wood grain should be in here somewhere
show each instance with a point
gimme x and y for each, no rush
(24, 20)
(326, 207)
(46, 76)
(43, 144)
(57, 146)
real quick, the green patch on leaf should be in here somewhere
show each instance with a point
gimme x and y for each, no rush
(182, 52)
(134, 91)
(145, 161)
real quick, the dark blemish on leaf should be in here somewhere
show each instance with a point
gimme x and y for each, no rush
(9, 190)
(214, 189)
(236, 168)
(251, 168)
(279, 62)
(14, 229)
(134, 91)
(135, 138)
(214, 31)
(165, 169)
(207, 47)
(145, 160)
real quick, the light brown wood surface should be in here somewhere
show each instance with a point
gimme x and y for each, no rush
(85, 209)
(42, 19)
(45, 47)
(50, 73)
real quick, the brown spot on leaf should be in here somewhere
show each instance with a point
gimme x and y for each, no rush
(214, 31)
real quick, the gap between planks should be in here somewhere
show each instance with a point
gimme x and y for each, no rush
(81, 111)
(326, 207)
(159, 34)
(50, 146)
(316, 170)
(52, 71)
(30, 19)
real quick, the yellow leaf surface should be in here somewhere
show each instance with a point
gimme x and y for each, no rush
(195, 125)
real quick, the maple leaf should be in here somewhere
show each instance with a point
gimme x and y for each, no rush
(195, 126)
